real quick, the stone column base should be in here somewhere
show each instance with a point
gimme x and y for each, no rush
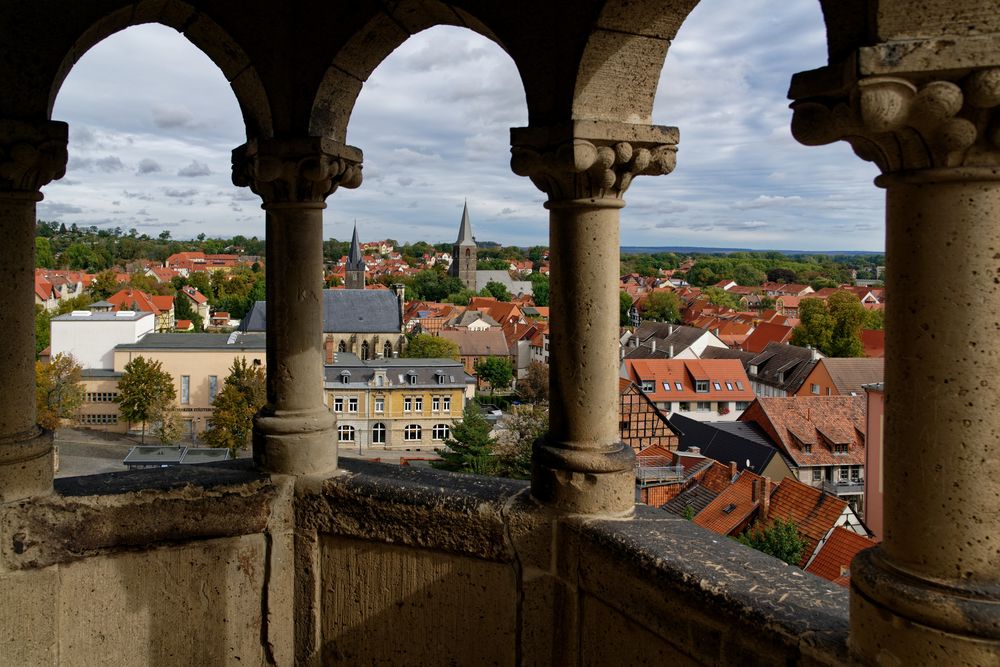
(583, 481)
(295, 443)
(26, 466)
(898, 619)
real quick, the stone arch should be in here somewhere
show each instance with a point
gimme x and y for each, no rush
(368, 46)
(620, 66)
(202, 31)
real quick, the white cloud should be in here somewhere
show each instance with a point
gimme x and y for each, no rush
(194, 170)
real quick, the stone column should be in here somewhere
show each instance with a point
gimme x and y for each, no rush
(582, 466)
(930, 592)
(31, 155)
(295, 433)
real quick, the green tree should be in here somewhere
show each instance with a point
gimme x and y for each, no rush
(746, 273)
(43, 323)
(104, 284)
(540, 288)
(242, 396)
(815, 327)
(43, 253)
(778, 538)
(874, 319)
(497, 290)
(143, 391)
(470, 448)
(662, 307)
(80, 256)
(624, 306)
(58, 390)
(497, 371)
(166, 423)
(848, 318)
(513, 444)
(426, 346)
(460, 298)
(720, 297)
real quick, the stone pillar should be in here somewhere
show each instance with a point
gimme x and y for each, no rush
(582, 466)
(930, 592)
(295, 433)
(31, 155)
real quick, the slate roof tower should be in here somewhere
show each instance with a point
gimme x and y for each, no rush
(354, 272)
(463, 256)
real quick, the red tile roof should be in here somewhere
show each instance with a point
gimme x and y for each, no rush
(808, 428)
(731, 509)
(815, 513)
(670, 373)
(767, 332)
(833, 561)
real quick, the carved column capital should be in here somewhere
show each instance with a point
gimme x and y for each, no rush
(32, 154)
(905, 123)
(591, 159)
(296, 171)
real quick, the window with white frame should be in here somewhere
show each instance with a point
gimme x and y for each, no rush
(352, 404)
(407, 404)
(446, 403)
(412, 432)
(441, 431)
(701, 386)
(379, 404)
(338, 404)
(435, 403)
(378, 433)
(345, 433)
(817, 474)
(704, 406)
(648, 387)
(418, 403)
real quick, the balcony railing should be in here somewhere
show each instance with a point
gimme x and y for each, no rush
(852, 488)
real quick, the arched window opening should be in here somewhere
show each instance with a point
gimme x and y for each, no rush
(364, 351)
(378, 433)
(342, 347)
(412, 432)
(441, 432)
(345, 433)
(387, 350)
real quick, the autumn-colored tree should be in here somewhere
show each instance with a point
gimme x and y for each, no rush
(58, 390)
(512, 447)
(535, 385)
(144, 391)
(242, 396)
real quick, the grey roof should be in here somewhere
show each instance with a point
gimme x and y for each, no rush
(744, 443)
(197, 341)
(345, 311)
(697, 498)
(355, 260)
(488, 343)
(794, 363)
(470, 316)
(851, 375)
(728, 353)
(663, 335)
(158, 456)
(100, 373)
(98, 316)
(361, 373)
(465, 236)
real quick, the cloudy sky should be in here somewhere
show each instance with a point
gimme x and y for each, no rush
(150, 142)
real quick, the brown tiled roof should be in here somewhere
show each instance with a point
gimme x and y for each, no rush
(730, 510)
(696, 497)
(727, 373)
(489, 343)
(818, 422)
(849, 375)
(815, 513)
(874, 342)
(766, 332)
(833, 561)
(717, 477)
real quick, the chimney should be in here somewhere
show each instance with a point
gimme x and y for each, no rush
(694, 450)
(670, 329)
(670, 351)
(765, 499)
(652, 344)
(815, 354)
(328, 347)
(732, 469)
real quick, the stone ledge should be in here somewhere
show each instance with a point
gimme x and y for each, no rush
(758, 598)
(413, 506)
(138, 509)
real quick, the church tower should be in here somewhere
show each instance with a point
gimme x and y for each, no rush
(354, 272)
(463, 256)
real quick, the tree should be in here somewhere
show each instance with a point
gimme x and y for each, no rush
(242, 396)
(43, 332)
(663, 307)
(535, 386)
(746, 273)
(778, 538)
(143, 391)
(43, 253)
(426, 346)
(539, 288)
(104, 284)
(720, 297)
(58, 390)
(514, 442)
(497, 371)
(781, 275)
(470, 448)
(461, 297)
(624, 309)
(833, 326)
(874, 319)
(166, 424)
(497, 290)
(816, 326)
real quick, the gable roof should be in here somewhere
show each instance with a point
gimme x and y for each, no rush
(488, 343)
(833, 560)
(344, 311)
(850, 375)
(767, 332)
(742, 442)
(674, 379)
(731, 509)
(781, 366)
(815, 513)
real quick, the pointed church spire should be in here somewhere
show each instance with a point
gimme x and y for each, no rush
(354, 256)
(465, 231)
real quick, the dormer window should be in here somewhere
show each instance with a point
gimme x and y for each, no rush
(753, 369)
(345, 377)
(701, 386)
(648, 387)
(439, 376)
(411, 377)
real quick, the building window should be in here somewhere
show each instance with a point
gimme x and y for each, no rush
(446, 403)
(101, 397)
(718, 387)
(441, 432)
(817, 475)
(684, 406)
(436, 404)
(345, 434)
(418, 404)
(855, 473)
(742, 405)
(379, 380)
(407, 404)
(814, 388)
(412, 432)
(739, 385)
(342, 346)
(379, 404)
(378, 433)
(213, 386)
(364, 350)
(666, 386)
(678, 386)
(338, 405)
(704, 406)
(411, 377)
(647, 387)
(345, 377)
(387, 350)
(729, 386)
(352, 405)
(439, 376)
(701, 386)
(185, 389)
(99, 419)
(844, 472)
(808, 449)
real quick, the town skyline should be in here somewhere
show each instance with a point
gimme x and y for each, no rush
(150, 141)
